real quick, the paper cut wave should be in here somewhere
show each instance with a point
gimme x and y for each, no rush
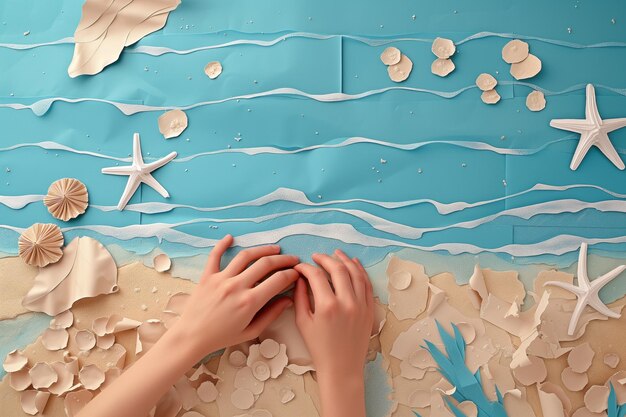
(41, 107)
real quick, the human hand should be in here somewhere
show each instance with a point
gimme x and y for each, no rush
(338, 328)
(231, 306)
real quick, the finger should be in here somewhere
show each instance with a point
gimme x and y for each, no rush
(215, 256)
(356, 276)
(368, 284)
(244, 258)
(265, 266)
(274, 285)
(301, 301)
(266, 316)
(339, 275)
(318, 281)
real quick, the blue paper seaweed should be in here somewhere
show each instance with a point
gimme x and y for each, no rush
(614, 409)
(468, 386)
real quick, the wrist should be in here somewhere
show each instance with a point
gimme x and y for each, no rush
(188, 343)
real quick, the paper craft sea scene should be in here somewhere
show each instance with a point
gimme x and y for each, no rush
(465, 158)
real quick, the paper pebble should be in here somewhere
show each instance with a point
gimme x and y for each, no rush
(443, 48)
(42, 375)
(237, 358)
(573, 381)
(40, 244)
(536, 101)
(242, 399)
(596, 398)
(486, 82)
(269, 348)
(85, 340)
(213, 69)
(490, 97)
(442, 67)
(55, 339)
(91, 377)
(515, 51)
(261, 371)
(162, 263)
(532, 373)
(580, 358)
(400, 71)
(172, 123)
(207, 392)
(528, 68)
(391, 56)
(611, 360)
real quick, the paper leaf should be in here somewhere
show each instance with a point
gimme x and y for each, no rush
(106, 28)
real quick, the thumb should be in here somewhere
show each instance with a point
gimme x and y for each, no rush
(266, 316)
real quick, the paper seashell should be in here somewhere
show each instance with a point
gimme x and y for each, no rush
(242, 399)
(443, 48)
(391, 56)
(611, 360)
(534, 372)
(596, 398)
(20, 380)
(67, 199)
(42, 375)
(486, 82)
(260, 370)
(400, 280)
(162, 263)
(442, 67)
(40, 244)
(207, 392)
(62, 320)
(237, 359)
(277, 364)
(172, 123)
(91, 377)
(244, 379)
(400, 71)
(213, 69)
(515, 51)
(55, 339)
(490, 97)
(573, 381)
(536, 101)
(528, 68)
(75, 401)
(269, 348)
(14, 361)
(65, 379)
(33, 402)
(85, 340)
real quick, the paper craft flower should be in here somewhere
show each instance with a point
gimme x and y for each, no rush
(67, 198)
(40, 244)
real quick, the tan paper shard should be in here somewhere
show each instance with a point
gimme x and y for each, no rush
(87, 269)
(442, 67)
(20, 380)
(173, 123)
(34, 402)
(486, 82)
(14, 361)
(242, 399)
(106, 341)
(42, 375)
(65, 379)
(67, 199)
(107, 27)
(162, 262)
(611, 360)
(596, 398)
(62, 320)
(91, 377)
(573, 381)
(391, 56)
(269, 348)
(490, 97)
(40, 244)
(443, 48)
(276, 365)
(515, 51)
(579, 359)
(528, 68)
(148, 333)
(213, 69)
(468, 408)
(237, 358)
(207, 392)
(286, 395)
(55, 339)
(536, 101)
(516, 405)
(244, 379)
(411, 301)
(551, 404)
(400, 71)
(85, 340)
(76, 401)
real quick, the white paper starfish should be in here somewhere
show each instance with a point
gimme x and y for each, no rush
(593, 132)
(139, 172)
(586, 291)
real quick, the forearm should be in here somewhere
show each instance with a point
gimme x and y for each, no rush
(141, 386)
(342, 396)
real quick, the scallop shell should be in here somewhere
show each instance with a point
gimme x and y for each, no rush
(40, 244)
(442, 67)
(213, 69)
(67, 199)
(443, 48)
(172, 123)
(515, 51)
(162, 262)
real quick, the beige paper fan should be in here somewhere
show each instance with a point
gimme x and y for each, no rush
(40, 244)
(67, 198)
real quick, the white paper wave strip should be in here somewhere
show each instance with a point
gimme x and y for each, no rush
(42, 106)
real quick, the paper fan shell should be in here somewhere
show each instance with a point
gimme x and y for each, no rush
(40, 244)
(67, 198)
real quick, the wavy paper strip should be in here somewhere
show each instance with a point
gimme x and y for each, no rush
(106, 27)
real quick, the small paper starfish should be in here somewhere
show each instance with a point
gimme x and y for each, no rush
(586, 291)
(139, 172)
(593, 132)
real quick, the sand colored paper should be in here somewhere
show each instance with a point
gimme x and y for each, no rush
(106, 27)
(86, 269)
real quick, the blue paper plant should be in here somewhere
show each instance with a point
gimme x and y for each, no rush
(468, 385)
(615, 410)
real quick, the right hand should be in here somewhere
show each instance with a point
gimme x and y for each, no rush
(337, 329)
